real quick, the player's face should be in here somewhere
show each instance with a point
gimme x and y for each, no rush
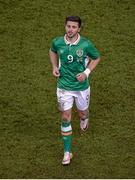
(72, 29)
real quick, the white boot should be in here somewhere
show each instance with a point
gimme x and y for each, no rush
(84, 124)
(67, 157)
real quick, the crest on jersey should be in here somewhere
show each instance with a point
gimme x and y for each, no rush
(79, 52)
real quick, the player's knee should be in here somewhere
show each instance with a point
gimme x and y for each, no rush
(66, 116)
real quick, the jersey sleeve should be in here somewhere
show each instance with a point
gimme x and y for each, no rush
(53, 46)
(92, 51)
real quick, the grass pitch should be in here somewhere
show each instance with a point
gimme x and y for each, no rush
(30, 141)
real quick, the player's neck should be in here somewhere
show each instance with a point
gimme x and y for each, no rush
(72, 39)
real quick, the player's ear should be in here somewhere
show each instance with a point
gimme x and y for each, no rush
(79, 29)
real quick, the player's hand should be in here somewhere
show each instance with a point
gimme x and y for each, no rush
(81, 77)
(56, 72)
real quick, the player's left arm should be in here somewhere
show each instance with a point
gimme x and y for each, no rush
(92, 64)
(90, 67)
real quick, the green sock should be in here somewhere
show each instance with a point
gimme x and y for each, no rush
(66, 130)
(67, 143)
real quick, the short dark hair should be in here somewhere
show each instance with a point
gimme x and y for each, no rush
(74, 19)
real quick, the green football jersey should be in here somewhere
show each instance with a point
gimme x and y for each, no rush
(73, 59)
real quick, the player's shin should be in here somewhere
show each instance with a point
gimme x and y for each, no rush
(66, 131)
(84, 120)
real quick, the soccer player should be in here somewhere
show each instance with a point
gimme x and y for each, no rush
(73, 58)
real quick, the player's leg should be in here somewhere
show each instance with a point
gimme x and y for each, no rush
(66, 129)
(84, 119)
(65, 101)
(82, 102)
(66, 132)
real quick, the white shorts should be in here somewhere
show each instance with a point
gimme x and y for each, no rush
(66, 99)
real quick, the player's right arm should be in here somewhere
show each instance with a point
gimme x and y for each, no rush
(54, 61)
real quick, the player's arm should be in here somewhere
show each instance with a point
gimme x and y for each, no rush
(90, 67)
(94, 57)
(54, 61)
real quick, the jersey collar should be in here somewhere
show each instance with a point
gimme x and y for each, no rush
(74, 43)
